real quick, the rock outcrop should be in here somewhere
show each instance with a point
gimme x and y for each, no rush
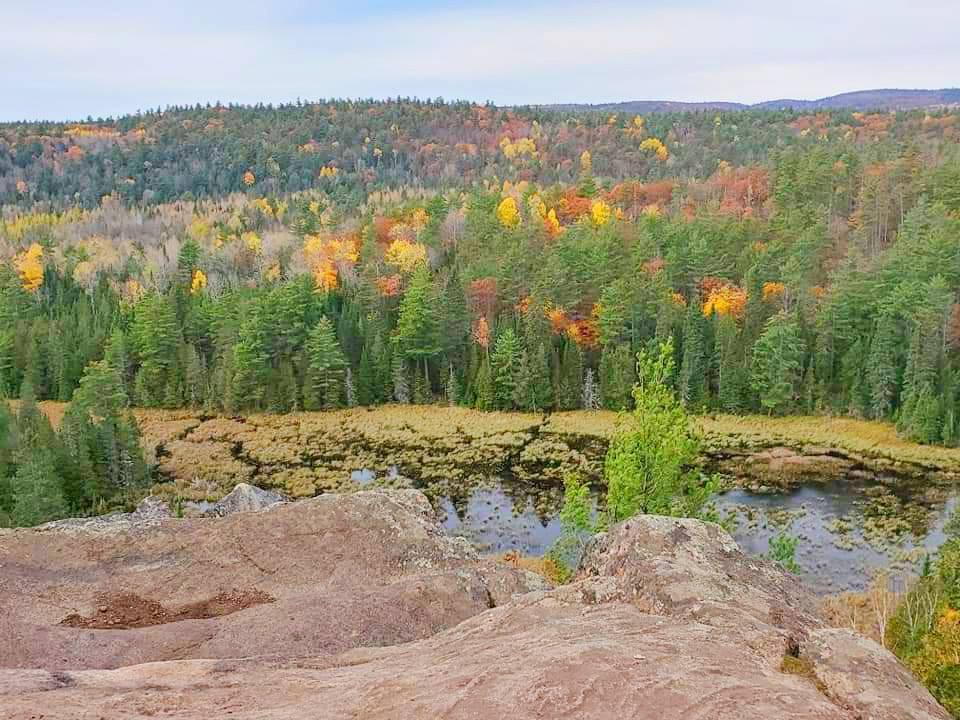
(365, 610)
(246, 498)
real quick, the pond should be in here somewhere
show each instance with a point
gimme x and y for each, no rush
(847, 529)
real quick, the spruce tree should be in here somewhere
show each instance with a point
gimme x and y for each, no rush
(693, 367)
(401, 380)
(881, 366)
(417, 332)
(505, 365)
(617, 376)
(484, 392)
(326, 365)
(36, 491)
(778, 363)
(571, 376)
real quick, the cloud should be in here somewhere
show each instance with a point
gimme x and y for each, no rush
(113, 58)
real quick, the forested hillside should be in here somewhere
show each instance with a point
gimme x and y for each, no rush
(318, 255)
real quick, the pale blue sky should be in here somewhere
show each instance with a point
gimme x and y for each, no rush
(64, 59)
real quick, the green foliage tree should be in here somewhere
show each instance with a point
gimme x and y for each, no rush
(649, 466)
(326, 365)
(777, 363)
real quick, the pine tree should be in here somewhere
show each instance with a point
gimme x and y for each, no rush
(485, 398)
(326, 365)
(731, 374)
(777, 363)
(104, 437)
(417, 331)
(401, 382)
(117, 354)
(505, 365)
(617, 376)
(36, 491)
(452, 390)
(571, 377)
(693, 367)
(881, 366)
(155, 336)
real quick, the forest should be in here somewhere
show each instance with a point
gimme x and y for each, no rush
(321, 255)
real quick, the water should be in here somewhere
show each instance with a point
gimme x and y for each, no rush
(492, 523)
(847, 530)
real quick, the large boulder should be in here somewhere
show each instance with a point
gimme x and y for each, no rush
(246, 498)
(666, 619)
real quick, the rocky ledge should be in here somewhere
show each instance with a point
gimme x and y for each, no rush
(357, 606)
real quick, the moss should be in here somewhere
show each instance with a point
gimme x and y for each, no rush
(794, 664)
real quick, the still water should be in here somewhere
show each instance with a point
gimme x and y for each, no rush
(846, 530)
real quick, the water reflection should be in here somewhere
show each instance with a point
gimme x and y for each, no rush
(846, 531)
(493, 522)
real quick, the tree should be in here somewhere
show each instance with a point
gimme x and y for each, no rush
(778, 363)
(571, 376)
(506, 366)
(881, 366)
(649, 463)
(36, 491)
(155, 336)
(326, 365)
(416, 334)
(693, 368)
(102, 439)
(616, 376)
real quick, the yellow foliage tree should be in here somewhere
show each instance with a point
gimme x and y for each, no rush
(199, 282)
(30, 267)
(655, 144)
(600, 213)
(536, 206)
(553, 223)
(507, 212)
(406, 255)
(252, 241)
(419, 219)
(586, 162)
(725, 300)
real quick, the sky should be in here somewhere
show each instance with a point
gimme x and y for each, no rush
(67, 60)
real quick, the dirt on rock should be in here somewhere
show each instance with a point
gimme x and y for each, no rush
(129, 610)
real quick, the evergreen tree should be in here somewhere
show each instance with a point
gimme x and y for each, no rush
(693, 367)
(777, 363)
(36, 491)
(326, 365)
(485, 393)
(156, 340)
(616, 376)
(505, 365)
(881, 366)
(103, 437)
(571, 376)
(416, 334)
(400, 379)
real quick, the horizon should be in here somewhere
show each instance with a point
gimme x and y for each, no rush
(452, 101)
(105, 59)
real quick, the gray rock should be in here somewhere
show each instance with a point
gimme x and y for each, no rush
(152, 507)
(246, 498)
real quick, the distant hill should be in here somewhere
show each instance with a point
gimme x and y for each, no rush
(882, 99)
